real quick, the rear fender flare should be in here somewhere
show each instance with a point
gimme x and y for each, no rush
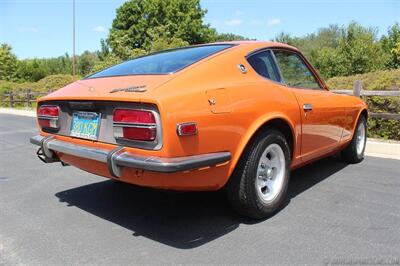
(253, 129)
(356, 121)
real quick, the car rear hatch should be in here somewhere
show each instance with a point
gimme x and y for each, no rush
(121, 88)
(92, 103)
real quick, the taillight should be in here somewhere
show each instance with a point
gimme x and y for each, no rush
(48, 116)
(134, 125)
(186, 129)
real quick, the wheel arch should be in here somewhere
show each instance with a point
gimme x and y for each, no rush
(276, 121)
(363, 112)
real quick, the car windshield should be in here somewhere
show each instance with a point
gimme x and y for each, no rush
(163, 62)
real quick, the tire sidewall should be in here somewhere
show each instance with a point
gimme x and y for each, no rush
(272, 137)
(361, 122)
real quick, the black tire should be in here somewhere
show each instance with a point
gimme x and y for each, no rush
(350, 154)
(241, 189)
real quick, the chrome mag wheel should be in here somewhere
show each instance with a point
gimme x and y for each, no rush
(270, 173)
(360, 141)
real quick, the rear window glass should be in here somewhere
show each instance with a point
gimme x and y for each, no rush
(165, 62)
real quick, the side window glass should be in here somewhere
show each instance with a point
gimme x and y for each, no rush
(264, 65)
(295, 72)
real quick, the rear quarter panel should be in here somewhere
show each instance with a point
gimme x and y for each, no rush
(244, 102)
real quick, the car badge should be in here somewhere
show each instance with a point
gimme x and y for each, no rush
(242, 68)
(141, 88)
(212, 102)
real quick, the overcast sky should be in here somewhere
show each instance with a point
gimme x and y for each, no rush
(43, 28)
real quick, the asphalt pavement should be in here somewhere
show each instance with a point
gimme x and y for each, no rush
(49, 214)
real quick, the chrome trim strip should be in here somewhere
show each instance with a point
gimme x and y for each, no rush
(120, 158)
(136, 126)
(126, 124)
(48, 117)
(179, 128)
(155, 144)
(172, 165)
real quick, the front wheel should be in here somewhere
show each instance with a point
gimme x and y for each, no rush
(354, 152)
(257, 188)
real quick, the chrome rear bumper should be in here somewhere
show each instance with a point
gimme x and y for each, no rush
(118, 158)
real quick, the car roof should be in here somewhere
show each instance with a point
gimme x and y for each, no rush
(253, 45)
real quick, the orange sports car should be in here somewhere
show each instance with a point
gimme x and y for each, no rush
(237, 115)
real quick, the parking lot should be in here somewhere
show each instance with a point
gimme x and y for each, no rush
(50, 214)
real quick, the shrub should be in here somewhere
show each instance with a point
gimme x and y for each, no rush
(49, 83)
(379, 80)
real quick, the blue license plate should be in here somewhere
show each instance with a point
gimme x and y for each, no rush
(85, 125)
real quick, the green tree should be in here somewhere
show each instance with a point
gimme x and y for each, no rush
(38, 68)
(8, 63)
(284, 37)
(104, 50)
(330, 62)
(324, 38)
(133, 29)
(162, 40)
(341, 51)
(32, 69)
(107, 61)
(361, 50)
(86, 62)
(391, 45)
(224, 37)
(357, 51)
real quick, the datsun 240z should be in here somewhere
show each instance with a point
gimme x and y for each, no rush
(237, 116)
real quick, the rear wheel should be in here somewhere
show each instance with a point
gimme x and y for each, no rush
(257, 188)
(354, 152)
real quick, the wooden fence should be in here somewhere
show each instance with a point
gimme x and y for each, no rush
(359, 92)
(28, 97)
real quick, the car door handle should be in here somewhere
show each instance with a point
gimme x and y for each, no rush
(307, 107)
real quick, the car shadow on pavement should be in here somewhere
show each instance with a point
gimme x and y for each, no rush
(181, 220)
